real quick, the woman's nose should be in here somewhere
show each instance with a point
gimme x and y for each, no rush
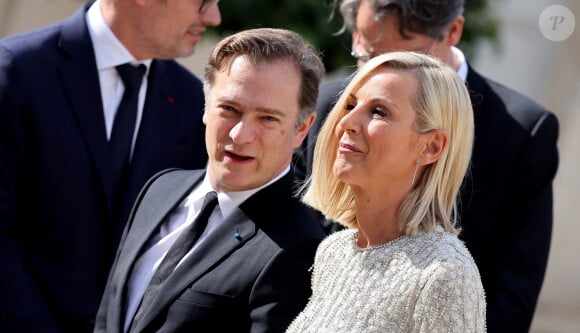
(350, 122)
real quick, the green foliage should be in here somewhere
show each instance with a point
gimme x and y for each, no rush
(479, 25)
(311, 18)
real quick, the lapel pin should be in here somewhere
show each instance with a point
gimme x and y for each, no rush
(238, 236)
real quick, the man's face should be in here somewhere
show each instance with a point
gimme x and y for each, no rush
(250, 119)
(170, 29)
(372, 37)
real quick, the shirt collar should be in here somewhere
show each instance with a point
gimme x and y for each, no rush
(228, 201)
(462, 72)
(109, 51)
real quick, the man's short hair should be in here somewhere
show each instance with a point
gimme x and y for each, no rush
(266, 45)
(425, 17)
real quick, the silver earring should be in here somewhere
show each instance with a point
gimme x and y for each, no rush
(415, 173)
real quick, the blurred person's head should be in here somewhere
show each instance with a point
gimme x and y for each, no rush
(379, 26)
(261, 87)
(403, 125)
(161, 29)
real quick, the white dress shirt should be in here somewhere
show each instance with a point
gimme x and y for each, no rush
(172, 227)
(109, 53)
(462, 72)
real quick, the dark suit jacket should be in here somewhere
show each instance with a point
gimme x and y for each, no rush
(506, 199)
(58, 230)
(256, 283)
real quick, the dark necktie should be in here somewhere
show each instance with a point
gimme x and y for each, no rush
(182, 245)
(124, 125)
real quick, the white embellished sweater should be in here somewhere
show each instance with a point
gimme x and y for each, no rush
(427, 283)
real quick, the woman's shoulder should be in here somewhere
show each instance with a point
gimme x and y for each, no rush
(452, 256)
(443, 249)
(344, 235)
(451, 289)
(340, 240)
(449, 263)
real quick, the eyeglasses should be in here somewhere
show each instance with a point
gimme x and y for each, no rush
(416, 47)
(206, 4)
(361, 57)
(365, 55)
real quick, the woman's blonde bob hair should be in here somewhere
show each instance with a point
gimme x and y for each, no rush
(441, 102)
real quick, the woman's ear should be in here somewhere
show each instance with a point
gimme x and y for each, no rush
(435, 145)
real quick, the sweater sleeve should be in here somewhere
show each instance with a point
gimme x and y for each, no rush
(452, 300)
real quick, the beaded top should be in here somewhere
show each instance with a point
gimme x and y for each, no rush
(426, 283)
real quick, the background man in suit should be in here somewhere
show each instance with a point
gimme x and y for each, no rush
(248, 271)
(506, 200)
(69, 171)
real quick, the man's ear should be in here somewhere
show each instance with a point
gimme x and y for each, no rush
(435, 144)
(453, 34)
(303, 129)
(354, 39)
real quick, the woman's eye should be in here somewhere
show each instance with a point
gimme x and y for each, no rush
(349, 106)
(381, 112)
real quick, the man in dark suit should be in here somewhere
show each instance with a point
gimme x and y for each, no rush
(249, 269)
(66, 189)
(506, 200)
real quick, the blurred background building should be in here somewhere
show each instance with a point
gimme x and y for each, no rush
(523, 58)
(549, 72)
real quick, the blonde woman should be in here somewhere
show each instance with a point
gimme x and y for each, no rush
(388, 163)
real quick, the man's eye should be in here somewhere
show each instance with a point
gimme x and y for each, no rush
(227, 108)
(269, 118)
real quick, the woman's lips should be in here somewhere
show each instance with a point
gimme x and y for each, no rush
(348, 148)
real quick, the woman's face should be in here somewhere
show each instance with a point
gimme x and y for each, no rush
(377, 138)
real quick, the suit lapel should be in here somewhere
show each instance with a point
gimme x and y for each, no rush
(478, 88)
(475, 86)
(221, 242)
(152, 211)
(78, 73)
(216, 246)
